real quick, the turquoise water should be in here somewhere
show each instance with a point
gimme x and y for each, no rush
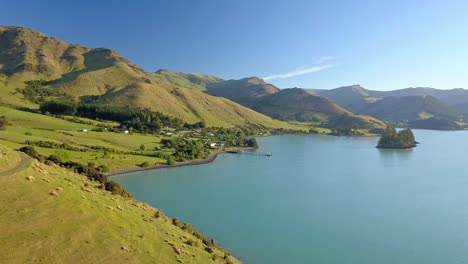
(323, 199)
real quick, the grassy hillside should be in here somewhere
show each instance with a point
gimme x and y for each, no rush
(244, 91)
(193, 81)
(103, 76)
(289, 104)
(50, 215)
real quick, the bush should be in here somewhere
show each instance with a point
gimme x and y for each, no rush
(251, 142)
(170, 160)
(3, 122)
(28, 134)
(61, 156)
(29, 150)
(209, 250)
(103, 168)
(144, 164)
(191, 242)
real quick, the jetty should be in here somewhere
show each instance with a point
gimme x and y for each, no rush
(266, 154)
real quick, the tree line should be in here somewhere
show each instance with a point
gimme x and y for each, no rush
(142, 120)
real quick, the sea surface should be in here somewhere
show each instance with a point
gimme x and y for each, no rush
(325, 199)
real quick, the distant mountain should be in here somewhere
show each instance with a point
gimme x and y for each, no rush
(400, 106)
(102, 76)
(353, 97)
(436, 124)
(410, 108)
(287, 104)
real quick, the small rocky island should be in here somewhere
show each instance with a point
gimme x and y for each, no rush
(391, 139)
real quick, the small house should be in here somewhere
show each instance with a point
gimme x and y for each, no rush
(85, 130)
(213, 144)
(126, 132)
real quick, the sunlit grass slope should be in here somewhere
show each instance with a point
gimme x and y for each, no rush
(50, 215)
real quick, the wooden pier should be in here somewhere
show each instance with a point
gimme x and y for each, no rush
(266, 154)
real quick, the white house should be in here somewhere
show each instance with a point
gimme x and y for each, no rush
(85, 130)
(213, 144)
(126, 132)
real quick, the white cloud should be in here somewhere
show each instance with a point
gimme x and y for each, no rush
(301, 71)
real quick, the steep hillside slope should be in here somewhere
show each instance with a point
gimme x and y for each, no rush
(103, 76)
(193, 81)
(50, 215)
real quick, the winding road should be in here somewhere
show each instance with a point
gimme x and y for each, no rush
(24, 163)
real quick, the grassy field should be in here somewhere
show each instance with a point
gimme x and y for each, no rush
(50, 215)
(30, 126)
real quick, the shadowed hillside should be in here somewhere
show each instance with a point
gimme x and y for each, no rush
(401, 106)
(288, 104)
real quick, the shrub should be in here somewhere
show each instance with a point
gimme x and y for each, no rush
(191, 242)
(61, 156)
(3, 122)
(144, 164)
(29, 150)
(28, 134)
(209, 250)
(170, 160)
(103, 168)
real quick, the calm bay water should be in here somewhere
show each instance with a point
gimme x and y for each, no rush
(323, 199)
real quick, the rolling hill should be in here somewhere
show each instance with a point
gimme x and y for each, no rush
(287, 104)
(401, 106)
(102, 76)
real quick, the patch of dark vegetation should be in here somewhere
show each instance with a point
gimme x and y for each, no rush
(404, 139)
(90, 170)
(141, 120)
(3, 122)
(188, 227)
(349, 132)
(36, 90)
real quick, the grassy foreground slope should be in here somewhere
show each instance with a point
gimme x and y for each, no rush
(50, 215)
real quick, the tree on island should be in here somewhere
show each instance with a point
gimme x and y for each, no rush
(397, 140)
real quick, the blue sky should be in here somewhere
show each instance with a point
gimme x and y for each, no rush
(379, 44)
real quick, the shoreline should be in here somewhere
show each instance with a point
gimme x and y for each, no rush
(210, 159)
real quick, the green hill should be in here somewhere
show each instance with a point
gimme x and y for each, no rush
(288, 104)
(103, 76)
(51, 215)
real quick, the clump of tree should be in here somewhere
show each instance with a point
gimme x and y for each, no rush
(403, 139)
(36, 90)
(251, 143)
(3, 122)
(349, 132)
(141, 120)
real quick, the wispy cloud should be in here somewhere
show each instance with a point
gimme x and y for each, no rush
(302, 71)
